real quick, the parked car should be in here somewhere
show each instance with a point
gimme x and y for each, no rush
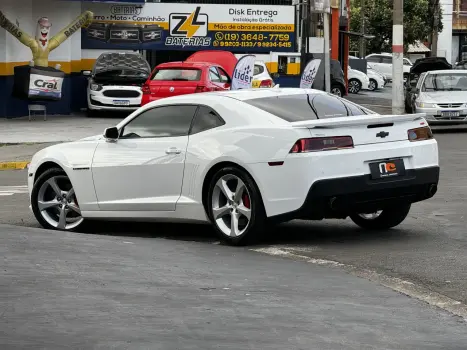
(442, 95)
(357, 80)
(240, 160)
(377, 80)
(181, 78)
(115, 82)
(421, 66)
(382, 62)
(226, 59)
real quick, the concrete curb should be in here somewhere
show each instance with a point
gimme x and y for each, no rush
(14, 165)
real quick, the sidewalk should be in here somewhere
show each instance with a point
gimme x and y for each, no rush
(20, 138)
(55, 129)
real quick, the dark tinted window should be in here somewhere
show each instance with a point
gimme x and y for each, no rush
(374, 59)
(167, 121)
(387, 60)
(205, 119)
(295, 108)
(258, 69)
(177, 74)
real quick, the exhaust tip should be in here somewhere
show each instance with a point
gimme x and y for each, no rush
(432, 190)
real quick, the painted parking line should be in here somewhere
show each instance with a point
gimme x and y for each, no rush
(11, 190)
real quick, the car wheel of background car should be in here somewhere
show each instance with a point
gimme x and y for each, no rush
(373, 85)
(406, 77)
(337, 90)
(383, 219)
(354, 86)
(54, 202)
(235, 207)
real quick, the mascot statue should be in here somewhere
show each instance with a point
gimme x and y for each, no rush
(42, 44)
(37, 81)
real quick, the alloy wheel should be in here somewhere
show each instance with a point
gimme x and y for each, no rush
(57, 203)
(372, 85)
(336, 91)
(231, 205)
(354, 86)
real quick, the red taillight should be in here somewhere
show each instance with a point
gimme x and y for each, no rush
(420, 134)
(146, 89)
(266, 83)
(322, 144)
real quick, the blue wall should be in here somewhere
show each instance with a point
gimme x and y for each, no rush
(73, 98)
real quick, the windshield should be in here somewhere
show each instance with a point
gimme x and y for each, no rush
(445, 82)
(177, 74)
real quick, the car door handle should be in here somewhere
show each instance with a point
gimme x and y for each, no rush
(173, 150)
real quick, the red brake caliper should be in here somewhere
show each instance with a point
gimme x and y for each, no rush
(246, 200)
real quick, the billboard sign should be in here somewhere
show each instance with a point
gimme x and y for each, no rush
(168, 26)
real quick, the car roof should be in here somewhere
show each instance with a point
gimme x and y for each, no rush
(182, 64)
(449, 71)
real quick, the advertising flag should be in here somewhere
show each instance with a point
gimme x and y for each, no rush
(242, 77)
(309, 74)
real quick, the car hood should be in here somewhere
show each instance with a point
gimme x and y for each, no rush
(225, 59)
(423, 65)
(121, 60)
(445, 96)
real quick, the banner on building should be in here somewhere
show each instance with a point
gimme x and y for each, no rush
(309, 74)
(191, 27)
(38, 83)
(242, 77)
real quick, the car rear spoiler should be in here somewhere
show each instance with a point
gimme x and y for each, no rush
(369, 120)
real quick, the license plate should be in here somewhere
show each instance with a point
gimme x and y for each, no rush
(121, 102)
(449, 114)
(387, 168)
(256, 84)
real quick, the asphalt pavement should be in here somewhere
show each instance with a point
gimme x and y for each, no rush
(64, 290)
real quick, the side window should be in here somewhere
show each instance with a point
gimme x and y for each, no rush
(165, 121)
(387, 60)
(205, 119)
(328, 106)
(224, 76)
(373, 59)
(214, 75)
(258, 69)
(407, 62)
(354, 109)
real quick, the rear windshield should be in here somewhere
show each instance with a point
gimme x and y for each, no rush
(296, 108)
(177, 74)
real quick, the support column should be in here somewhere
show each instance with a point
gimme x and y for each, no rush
(335, 33)
(397, 58)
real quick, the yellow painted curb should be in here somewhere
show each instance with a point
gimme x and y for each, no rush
(13, 165)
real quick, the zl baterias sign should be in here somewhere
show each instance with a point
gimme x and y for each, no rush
(156, 26)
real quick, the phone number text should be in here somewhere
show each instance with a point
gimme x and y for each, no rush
(251, 44)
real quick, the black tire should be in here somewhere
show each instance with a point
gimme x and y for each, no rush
(375, 85)
(408, 108)
(389, 217)
(48, 174)
(337, 90)
(257, 223)
(357, 84)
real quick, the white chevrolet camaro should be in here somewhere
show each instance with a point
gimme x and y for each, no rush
(240, 159)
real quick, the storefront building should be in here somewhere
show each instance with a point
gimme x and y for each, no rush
(162, 31)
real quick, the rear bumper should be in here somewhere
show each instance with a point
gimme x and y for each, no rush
(337, 198)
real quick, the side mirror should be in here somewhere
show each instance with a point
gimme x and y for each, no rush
(86, 73)
(111, 134)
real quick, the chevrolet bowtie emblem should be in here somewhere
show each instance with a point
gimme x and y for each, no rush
(382, 134)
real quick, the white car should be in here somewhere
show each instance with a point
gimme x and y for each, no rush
(357, 81)
(382, 63)
(240, 159)
(261, 76)
(115, 82)
(377, 80)
(442, 96)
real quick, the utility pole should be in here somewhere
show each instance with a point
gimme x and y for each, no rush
(398, 57)
(362, 39)
(305, 24)
(434, 35)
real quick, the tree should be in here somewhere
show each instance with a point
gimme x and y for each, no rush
(418, 22)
